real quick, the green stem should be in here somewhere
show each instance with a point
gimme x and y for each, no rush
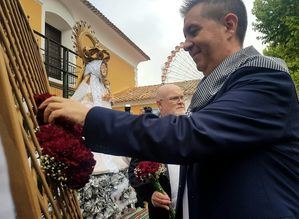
(171, 212)
(159, 188)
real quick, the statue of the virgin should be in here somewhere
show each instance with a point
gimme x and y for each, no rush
(108, 193)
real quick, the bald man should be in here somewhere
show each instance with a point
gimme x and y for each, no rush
(170, 101)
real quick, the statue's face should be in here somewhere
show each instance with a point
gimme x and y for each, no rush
(104, 69)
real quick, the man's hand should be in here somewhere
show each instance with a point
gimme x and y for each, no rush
(160, 200)
(60, 107)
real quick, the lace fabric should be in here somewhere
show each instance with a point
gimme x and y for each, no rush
(107, 196)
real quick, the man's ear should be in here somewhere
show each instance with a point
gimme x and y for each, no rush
(230, 21)
(158, 102)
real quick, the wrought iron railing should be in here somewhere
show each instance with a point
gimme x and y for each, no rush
(60, 66)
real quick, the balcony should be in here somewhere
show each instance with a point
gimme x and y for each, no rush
(62, 65)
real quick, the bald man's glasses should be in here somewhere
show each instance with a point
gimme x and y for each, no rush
(176, 99)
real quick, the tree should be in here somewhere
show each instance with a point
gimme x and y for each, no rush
(278, 21)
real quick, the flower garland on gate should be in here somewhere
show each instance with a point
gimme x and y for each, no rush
(65, 158)
(150, 172)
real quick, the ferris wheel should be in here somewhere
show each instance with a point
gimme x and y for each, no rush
(179, 67)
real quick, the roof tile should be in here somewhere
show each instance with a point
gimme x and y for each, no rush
(149, 92)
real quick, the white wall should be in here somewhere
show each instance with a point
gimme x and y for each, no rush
(58, 16)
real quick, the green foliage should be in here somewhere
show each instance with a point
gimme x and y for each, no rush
(278, 21)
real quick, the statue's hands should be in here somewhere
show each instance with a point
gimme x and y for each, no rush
(60, 107)
(160, 200)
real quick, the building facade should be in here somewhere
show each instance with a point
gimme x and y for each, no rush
(53, 22)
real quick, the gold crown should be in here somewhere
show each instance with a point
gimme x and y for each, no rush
(95, 53)
(81, 31)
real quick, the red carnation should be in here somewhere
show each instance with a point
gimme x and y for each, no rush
(65, 157)
(148, 171)
(41, 98)
(40, 113)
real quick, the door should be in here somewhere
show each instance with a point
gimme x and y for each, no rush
(53, 53)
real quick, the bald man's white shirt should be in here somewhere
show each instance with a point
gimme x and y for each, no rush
(174, 175)
(7, 209)
(185, 203)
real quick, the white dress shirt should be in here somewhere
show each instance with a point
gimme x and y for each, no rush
(185, 203)
(174, 174)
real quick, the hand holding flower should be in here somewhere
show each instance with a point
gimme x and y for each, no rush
(148, 171)
(160, 200)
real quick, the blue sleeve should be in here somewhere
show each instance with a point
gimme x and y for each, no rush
(252, 111)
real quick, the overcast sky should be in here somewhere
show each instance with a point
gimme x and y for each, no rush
(156, 27)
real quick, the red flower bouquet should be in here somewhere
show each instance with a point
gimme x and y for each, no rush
(147, 171)
(65, 158)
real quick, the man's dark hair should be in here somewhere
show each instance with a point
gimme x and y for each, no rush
(217, 9)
